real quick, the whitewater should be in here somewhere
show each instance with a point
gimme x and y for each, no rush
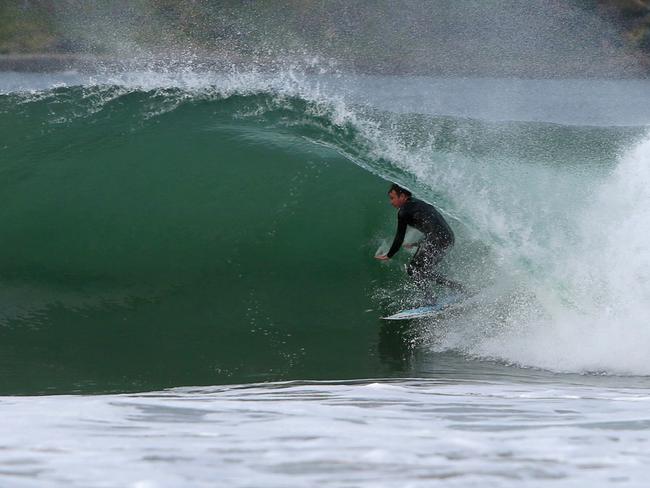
(187, 284)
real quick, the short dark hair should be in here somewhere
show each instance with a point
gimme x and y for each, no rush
(399, 190)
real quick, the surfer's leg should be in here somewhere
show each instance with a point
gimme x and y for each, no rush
(420, 266)
(435, 256)
(419, 269)
(454, 285)
(416, 264)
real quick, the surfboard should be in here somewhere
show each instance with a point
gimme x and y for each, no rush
(428, 310)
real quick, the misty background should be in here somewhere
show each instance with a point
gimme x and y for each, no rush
(542, 39)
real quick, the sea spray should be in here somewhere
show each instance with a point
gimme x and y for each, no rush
(591, 301)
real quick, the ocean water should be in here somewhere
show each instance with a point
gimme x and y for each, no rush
(188, 294)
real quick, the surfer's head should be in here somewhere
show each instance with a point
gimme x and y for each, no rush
(398, 195)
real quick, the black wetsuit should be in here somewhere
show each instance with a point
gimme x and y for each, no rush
(438, 237)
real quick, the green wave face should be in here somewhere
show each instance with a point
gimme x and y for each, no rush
(162, 238)
(198, 246)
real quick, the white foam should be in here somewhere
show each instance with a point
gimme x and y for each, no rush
(593, 297)
(430, 434)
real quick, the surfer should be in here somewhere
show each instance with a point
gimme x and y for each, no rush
(438, 237)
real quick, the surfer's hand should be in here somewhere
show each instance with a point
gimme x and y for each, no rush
(382, 257)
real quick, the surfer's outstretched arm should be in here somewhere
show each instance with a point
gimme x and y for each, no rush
(397, 241)
(399, 236)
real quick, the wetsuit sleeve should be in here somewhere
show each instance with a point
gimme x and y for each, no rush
(399, 236)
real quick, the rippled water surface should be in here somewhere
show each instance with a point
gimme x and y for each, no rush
(408, 432)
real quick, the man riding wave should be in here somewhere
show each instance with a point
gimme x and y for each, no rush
(437, 241)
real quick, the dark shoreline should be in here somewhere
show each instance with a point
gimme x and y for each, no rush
(84, 63)
(50, 63)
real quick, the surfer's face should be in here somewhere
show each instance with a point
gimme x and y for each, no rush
(397, 200)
